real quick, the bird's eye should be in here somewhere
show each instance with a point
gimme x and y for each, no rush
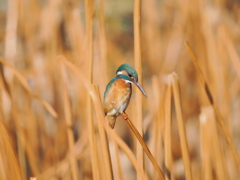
(132, 77)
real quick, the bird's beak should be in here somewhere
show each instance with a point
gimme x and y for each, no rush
(140, 87)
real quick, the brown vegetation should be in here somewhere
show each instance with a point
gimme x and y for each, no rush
(56, 58)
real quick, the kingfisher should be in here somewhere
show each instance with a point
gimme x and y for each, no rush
(118, 93)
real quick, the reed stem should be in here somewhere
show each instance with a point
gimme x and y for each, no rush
(104, 144)
(89, 59)
(167, 133)
(138, 67)
(144, 146)
(68, 119)
(210, 98)
(181, 127)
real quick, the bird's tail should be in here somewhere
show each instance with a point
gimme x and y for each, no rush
(111, 121)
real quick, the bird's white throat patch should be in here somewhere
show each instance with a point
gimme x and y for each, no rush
(127, 81)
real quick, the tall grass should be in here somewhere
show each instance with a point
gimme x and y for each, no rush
(9, 168)
(138, 65)
(56, 58)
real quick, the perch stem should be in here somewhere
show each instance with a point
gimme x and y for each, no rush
(144, 146)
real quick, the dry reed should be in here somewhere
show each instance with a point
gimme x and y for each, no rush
(138, 67)
(214, 151)
(205, 147)
(28, 89)
(105, 148)
(181, 127)
(53, 121)
(159, 123)
(91, 132)
(8, 170)
(143, 145)
(217, 152)
(210, 98)
(119, 170)
(68, 118)
(167, 133)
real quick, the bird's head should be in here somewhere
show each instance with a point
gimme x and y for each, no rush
(128, 70)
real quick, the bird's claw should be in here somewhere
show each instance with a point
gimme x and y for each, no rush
(124, 115)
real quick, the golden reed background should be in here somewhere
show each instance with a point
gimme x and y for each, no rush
(57, 57)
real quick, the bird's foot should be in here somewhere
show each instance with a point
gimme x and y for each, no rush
(124, 116)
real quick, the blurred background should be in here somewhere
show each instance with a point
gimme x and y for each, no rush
(35, 33)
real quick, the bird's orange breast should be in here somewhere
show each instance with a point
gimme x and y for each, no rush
(118, 95)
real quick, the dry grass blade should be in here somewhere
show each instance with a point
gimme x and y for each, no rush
(158, 126)
(9, 168)
(21, 79)
(232, 53)
(104, 144)
(21, 151)
(63, 166)
(138, 66)
(208, 122)
(209, 95)
(167, 135)
(217, 150)
(144, 146)
(68, 118)
(205, 147)
(56, 128)
(89, 13)
(11, 30)
(103, 41)
(90, 125)
(119, 170)
(181, 127)
(24, 148)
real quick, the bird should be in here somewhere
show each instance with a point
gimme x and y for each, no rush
(118, 93)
